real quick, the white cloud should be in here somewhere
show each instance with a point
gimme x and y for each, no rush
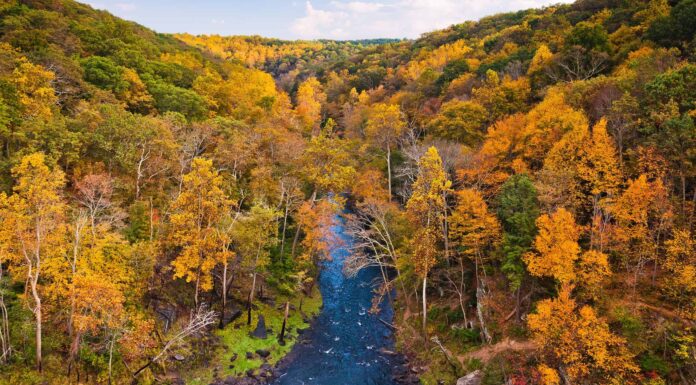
(397, 18)
(126, 7)
(358, 6)
(316, 22)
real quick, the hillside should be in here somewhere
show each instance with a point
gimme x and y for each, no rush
(525, 184)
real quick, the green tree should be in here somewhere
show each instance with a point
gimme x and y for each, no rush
(518, 210)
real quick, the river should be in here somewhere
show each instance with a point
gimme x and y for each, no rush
(346, 344)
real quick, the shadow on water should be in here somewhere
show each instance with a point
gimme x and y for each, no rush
(346, 344)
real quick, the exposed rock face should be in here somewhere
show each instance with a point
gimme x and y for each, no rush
(473, 378)
(260, 331)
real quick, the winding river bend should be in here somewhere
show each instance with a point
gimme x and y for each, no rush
(346, 344)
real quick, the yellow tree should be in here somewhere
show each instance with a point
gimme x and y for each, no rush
(328, 164)
(385, 125)
(473, 230)
(556, 247)
(681, 264)
(196, 213)
(590, 161)
(641, 215)
(100, 308)
(542, 57)
(310, 98)
(426, 210)
(547, 122)
(36, 95)
(580, 343)
(558, 255)
(472, 227)
(598, 165)
(35, 228)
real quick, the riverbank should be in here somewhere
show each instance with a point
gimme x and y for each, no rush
(236, 356)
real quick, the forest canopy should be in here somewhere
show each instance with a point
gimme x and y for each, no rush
(526, 182)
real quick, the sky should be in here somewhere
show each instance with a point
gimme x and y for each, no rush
(309, 19)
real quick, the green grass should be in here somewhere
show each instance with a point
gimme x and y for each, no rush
(238, 341)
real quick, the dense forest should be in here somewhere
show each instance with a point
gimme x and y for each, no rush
(526, 184)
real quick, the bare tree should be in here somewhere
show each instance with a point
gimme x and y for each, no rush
(373, 242)
(199, 321)
(578, 64)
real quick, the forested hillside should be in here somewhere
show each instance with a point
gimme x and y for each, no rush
(525, 183)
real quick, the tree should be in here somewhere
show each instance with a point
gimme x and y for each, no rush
(34, 222)
(385, 125)
(580, 343)
(37, 97)
(680, 283)
(598, 163)
(254, 233)
(224, 233)
(642, 215)
(547, 122)
(196, 213)
(556, 247)
(426, 210)
(463, 121)
(590, 160)
(542, 58)
(377, 227)
(474, 231)
(518, 210)
(678, 28)
(558, 255)
(328, 164)
(310, 98)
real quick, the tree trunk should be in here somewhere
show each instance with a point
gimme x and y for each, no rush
(285, 225)
(425, 309)
(445, 230)
(195, 297)
(111, 356)
(38, 315)
(224, 295)
(251, 299)
(285, 321)
(294, 241)
(389, 174)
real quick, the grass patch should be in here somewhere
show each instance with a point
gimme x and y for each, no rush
(235, 339)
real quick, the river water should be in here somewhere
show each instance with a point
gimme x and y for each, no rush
(346, 344)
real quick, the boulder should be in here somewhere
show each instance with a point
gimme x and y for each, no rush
(260, 331)
(231, 316)
(249, 355)
(263, 353)
(234, 357)
(473, 378)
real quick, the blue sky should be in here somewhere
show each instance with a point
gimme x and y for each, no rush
(309, 19)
